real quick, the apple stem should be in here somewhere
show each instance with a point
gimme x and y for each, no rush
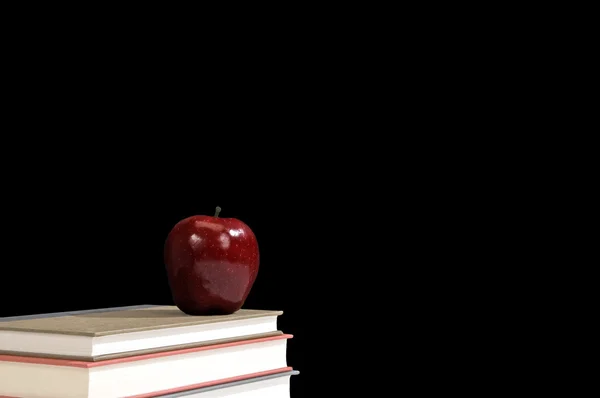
(217, 211)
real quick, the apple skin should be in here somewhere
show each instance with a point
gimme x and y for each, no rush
(211, 264)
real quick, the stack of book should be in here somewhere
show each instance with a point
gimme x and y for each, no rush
(144, 351)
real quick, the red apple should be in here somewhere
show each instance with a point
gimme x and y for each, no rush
(211, 264)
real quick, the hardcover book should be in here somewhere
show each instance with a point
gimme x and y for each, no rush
(103, 334)
(147, 375)
(275, 385)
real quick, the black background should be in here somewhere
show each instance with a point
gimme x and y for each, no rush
(357, 224)
(85, 235)
(352, 249)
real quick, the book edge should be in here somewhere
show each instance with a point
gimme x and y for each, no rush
(230, 384)
(213, 383)
(83, 364)
(99, 358)
(258, 314)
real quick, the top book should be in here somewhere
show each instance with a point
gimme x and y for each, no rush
(109, 333)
